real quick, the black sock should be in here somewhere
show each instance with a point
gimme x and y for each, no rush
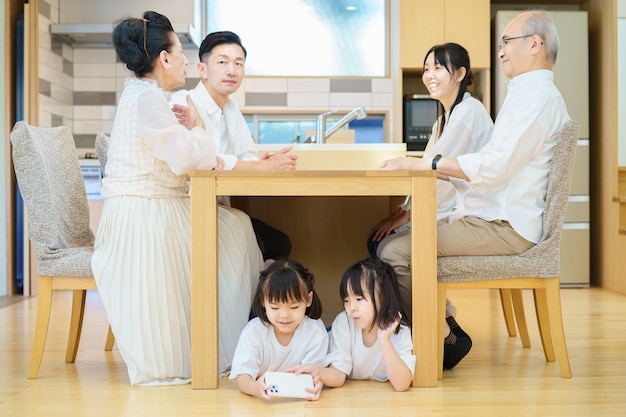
(455, 328)
(454, 349)
(450, 339)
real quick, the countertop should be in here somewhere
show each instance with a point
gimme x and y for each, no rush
(340, 156)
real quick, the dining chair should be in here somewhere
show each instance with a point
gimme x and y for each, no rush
(102, 149)
(52, 186)
(538, 268)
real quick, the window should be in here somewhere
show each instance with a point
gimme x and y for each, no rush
(322, 38)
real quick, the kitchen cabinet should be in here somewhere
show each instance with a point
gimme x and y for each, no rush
(424, 23)
(92, 11)
(80, 27)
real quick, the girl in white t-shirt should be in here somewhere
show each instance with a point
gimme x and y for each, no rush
(371, 339)
(287, 331)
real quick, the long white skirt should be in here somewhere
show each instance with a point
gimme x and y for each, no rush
(142, 267)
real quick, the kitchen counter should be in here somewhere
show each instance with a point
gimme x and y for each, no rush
(340, 156)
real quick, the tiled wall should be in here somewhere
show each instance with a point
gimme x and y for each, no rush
(55, 72)
(79, 87)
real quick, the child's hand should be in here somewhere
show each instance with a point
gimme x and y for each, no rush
(262, 388)
(386, 333)
(250, 386)
(310, 369)
(317, 389)
(314, 371)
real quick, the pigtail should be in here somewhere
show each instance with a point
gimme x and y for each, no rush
(314, 311)
(390, 306)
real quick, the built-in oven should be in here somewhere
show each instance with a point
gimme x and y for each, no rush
(420, 113)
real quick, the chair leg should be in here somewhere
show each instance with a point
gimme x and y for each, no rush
(543, 320)
(108, 346)
(520, 316)
(441, 318)
(553, 294)
(44, 305)
(76, 325)
(507, 311)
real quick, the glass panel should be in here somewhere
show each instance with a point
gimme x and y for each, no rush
(368, 130)
(284, 131)
(307, 37)
(290, 128)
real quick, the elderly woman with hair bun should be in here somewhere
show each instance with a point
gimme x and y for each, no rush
(141, 260)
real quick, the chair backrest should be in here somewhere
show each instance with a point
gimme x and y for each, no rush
(559, 184)
(50, 180)
(102, 149)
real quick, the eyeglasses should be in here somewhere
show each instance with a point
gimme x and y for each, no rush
(504, 41)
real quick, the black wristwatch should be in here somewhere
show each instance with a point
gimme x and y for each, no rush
(435, 160)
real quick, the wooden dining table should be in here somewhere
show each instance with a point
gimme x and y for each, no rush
(206, 186)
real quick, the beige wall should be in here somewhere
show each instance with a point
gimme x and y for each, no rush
(607, 245)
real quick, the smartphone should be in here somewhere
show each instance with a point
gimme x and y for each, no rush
(286, 384)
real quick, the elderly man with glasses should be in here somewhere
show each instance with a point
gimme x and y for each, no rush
(501, 213)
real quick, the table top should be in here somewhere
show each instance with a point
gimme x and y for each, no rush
(312, 173)
(311, 183)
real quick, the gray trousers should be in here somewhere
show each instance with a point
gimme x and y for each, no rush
(467, 236)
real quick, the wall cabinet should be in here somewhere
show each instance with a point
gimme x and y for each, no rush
(424, 23)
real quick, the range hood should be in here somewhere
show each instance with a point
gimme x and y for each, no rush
(100, 35)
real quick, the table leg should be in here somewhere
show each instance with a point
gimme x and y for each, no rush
(204, 284)
(424, 280)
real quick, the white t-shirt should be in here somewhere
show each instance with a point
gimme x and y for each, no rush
(258, 350)
(468, 128)
(348, 354)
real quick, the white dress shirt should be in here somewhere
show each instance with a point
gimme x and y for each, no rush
(509, 175)
(467, 130)
(226, 126)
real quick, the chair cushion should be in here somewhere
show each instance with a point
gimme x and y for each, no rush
(477, 268)
(72, 262)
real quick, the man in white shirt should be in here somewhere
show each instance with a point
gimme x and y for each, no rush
(221, 67)
(501, 213)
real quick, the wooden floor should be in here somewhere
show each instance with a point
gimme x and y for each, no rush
(497, 378)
